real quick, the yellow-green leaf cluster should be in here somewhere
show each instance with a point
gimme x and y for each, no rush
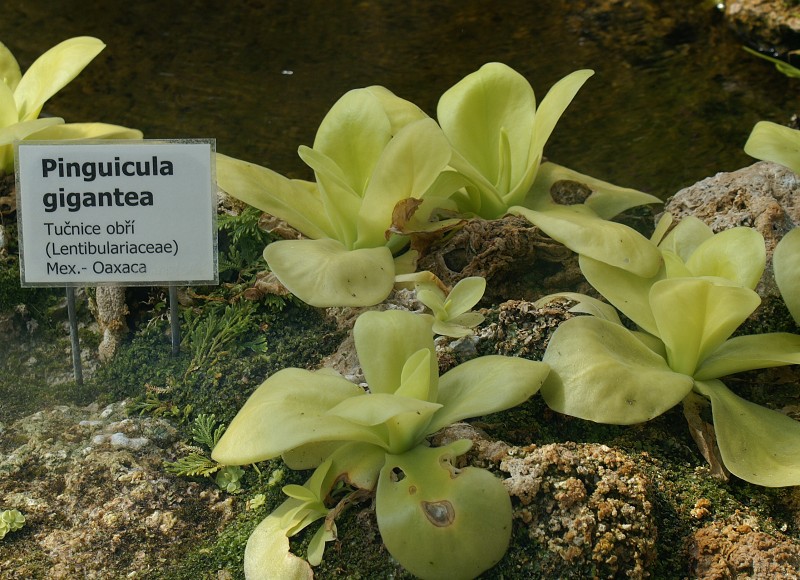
(23, 96)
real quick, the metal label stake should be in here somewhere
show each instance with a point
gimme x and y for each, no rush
(174, 323)
(73, 336)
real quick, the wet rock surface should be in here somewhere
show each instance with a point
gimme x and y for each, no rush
(769, 24)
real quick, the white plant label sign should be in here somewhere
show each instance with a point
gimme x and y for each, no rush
(116, 212)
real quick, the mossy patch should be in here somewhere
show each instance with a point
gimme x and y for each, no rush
(226, 551)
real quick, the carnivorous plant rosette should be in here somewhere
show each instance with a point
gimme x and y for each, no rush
(687, 313)
(452, 314)
(437, 520)
(22, 98)
(498, 135)
(372, 151)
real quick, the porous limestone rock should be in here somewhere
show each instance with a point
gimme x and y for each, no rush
(586, 507)
(736, 548)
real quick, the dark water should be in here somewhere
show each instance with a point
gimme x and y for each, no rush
(672, 102)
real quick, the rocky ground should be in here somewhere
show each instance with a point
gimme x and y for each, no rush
(590, 500)
(85, 464)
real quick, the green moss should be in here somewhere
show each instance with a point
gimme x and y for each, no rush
(226, 551)
(222, 381)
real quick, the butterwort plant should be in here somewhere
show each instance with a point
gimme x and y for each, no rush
(372, 151)
(498, 134)
(438, 520)
(23, 96)
(686, 316)
(385, 172)
(452, 310)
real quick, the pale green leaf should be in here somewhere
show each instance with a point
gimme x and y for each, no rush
(415, 378)
(267, 556)
(786, 264)
(433, 297)
(288, 410)
(310, 455)
(358, 464)
(772, 142)
(607, 200)
(378, 408)
(340, 201)
(447, 192)
(476, 112)
(674, 267)
(439, 522)
(694, 316)
(52, 71)
(662, 227)
(629, 293)
(400, 112)
(468, 319)
(686, 237)
(8, 108)
(385, 341)
(453, 329)
(406, 263)
(585, 305)
(68, 131)
(402, 421)
(464, 295)
(19, 131)
(298, 203)
(484, 385)
(549, 112)
(324, 273)
(480, 196)
(737, 254)
(652, 342)
(585, 233)
(353, 135)
(408, 166)
(299, 492)
(745, 353)
(757, 444)
(316, 547)
(10, 73)
(602, 372)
